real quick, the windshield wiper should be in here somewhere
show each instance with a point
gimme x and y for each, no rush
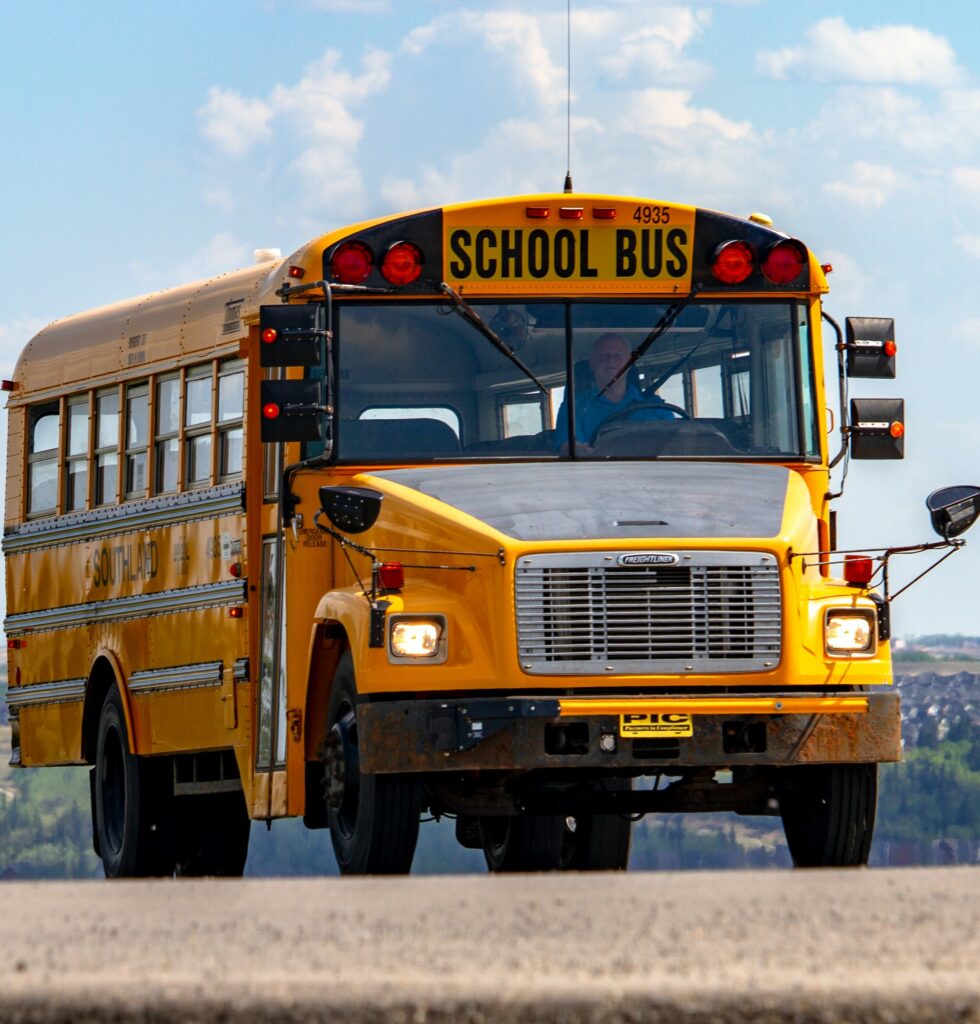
(671, 313)
(470, 315)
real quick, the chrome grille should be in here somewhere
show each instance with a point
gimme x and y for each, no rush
(585, 613)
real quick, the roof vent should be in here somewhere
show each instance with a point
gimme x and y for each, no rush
(267, 255)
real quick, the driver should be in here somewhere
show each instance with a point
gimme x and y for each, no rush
(593, 406)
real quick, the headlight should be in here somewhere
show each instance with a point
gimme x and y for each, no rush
(850, 632)
(411, 638)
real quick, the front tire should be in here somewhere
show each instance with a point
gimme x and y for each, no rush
(828, 813)
(373, 819)
(133, 801)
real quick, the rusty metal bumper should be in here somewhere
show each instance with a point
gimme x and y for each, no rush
(525, 733)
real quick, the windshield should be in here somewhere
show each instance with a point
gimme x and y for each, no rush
(724, 380)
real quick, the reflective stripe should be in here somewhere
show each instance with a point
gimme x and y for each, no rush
(132, 517)
(176, 677)
(61, 691)
(137, 606)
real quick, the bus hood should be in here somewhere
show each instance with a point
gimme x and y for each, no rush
(590, 500)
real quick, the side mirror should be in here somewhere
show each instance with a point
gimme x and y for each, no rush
(871, 347)
(351, 509)
(954, 509)
(877, 429)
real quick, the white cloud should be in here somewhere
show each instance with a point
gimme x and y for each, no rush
(969, 244)
(665, 115)
(222, 252)
(833, 51)
(515, 37)
(233, 123)
(848, 284)
(870, 185)
(352, 6)
(221, 197)
(969, 330)
(656, 50)
(318, 112)
(967, 178)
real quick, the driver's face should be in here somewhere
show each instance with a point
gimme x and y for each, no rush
(609, 356)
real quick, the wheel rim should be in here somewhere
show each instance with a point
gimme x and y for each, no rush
(113, 790)
(343, 772)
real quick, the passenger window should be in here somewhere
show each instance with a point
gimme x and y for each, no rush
(197, 427)
(440, 412)
(706, 383)
(42, 485)
(167, 444)
(76, 478)
(106, 447)
(522, 418)
(137, 439)
(231, 408)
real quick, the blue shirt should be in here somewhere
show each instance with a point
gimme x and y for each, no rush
(593, 409)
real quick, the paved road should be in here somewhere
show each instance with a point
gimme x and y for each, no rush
(876, 946)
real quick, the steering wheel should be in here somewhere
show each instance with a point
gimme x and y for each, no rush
(626, 413)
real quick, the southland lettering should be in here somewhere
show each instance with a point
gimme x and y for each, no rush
(125, 563)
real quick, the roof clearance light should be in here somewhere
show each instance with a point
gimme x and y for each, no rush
(571, 212)
(732, 262)
(604, 212)
(271, 410)
(391, 575)
(402, 263)
(351, 263)
(897, 429)
(537, 212)
(784, 262)
(297, 272)
(858, 569)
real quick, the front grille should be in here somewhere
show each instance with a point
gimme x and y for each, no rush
(585, 613)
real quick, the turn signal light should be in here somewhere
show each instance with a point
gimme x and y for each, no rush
(784, 261)
(402, 263)
(391, 575)
(897, 429)
(858, 569)
(732, 262)
(351, 263)
(236, 613)
(271, 410)
(16, 645)
(537, 212)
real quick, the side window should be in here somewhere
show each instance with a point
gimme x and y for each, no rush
(167, 435)
(137, 439)
(706, 382)
(76, 477)
(42, 470)
(231, 408)
(106, 446)
(413, 412)
(521, 418)
(198, 420)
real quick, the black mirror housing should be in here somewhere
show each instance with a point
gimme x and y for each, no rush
(954, 509)
(877, 428)
(292, 335)
(351, 509)
(870, 347)
(291, 410)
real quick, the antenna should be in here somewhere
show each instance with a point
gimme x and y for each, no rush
(568, 95)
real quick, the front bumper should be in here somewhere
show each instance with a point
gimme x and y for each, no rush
(525, 733)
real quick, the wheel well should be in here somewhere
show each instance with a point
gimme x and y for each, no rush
(329, 643)
(100, 682)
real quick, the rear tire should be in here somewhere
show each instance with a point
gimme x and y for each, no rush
(828, 813)
(373, 819)
(133, 801)
(527, 842)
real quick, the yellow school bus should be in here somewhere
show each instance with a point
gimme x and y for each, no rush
(516, 511)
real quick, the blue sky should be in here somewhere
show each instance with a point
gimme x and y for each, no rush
(146, 145)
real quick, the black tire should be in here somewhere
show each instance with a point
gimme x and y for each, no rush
(828, 813)
(527, 842)
(373, 819)
(133, 797)
(212, 835)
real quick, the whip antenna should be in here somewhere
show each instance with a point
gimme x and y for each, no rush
(568, 96)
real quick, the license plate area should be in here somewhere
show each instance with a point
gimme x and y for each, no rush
(663, 725)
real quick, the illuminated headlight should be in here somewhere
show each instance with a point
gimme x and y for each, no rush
(850, 632)
(411, 638)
